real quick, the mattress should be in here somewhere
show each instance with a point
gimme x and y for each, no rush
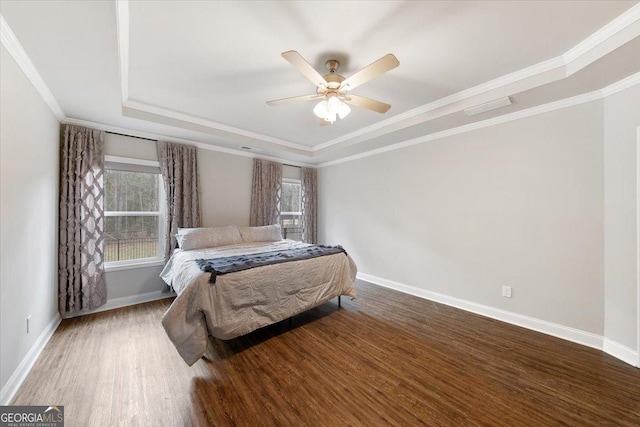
(243, 301)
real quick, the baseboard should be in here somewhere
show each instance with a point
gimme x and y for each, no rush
(621, 352)
(15, 381)
(124, 302)
(588, 339)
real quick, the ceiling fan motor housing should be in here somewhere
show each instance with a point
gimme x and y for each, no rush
(333, 79)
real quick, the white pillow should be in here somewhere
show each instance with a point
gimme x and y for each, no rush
(266, 233)
(199, 238)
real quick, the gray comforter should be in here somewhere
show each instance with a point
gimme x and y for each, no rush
(244, 301)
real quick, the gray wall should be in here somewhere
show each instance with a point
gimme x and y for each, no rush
(141, 280)
(225, 182)
(621, 120)
(29, 150)
(518, 204)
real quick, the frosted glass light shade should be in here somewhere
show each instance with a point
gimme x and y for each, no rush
(334, 104)
(343, 110)
(321, 110)
(330, 109)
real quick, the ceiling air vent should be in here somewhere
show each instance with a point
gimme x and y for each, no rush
(247, 148)
(488, 106)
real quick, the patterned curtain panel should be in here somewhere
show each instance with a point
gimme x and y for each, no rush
(265, 193)
(179, 168)
(309, 205)
(80, 257)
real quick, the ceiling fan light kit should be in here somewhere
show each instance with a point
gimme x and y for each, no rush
(332, 88)
(328, 109)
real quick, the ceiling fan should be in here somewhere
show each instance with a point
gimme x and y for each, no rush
(333, 89)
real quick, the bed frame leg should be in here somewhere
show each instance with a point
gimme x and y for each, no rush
(339, 302)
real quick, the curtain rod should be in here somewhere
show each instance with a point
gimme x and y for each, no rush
(150, 139)
(130, 136)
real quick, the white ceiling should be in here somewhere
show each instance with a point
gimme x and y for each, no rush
(202, 71)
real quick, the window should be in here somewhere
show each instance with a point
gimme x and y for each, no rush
(291, 209)
(134, 217)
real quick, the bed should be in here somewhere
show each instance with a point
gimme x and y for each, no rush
(230, 305)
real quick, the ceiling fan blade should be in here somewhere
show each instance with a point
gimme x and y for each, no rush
(304, 67)
(382, 65)
(369, 104)
(293, 99)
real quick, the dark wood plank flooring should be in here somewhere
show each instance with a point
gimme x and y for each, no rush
(384, 359)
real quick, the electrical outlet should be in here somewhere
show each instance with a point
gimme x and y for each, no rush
(506, 291)
(28, 324)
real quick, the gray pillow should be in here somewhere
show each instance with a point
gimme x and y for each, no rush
(266, 233)
(199, 238)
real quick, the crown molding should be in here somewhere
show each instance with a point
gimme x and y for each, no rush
(17, 52)
(159, 137)
(163, 116)
(626, 83)
(401, 121)
(608, 38)
(610, 30)
(623, 84)
(612, 89)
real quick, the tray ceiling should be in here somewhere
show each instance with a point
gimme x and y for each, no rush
(202, 71)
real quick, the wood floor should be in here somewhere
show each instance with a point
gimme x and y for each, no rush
(383, 359)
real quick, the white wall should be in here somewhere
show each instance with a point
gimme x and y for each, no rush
(29, 152)
(518, 204)
(621, 119)
(225, 181)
